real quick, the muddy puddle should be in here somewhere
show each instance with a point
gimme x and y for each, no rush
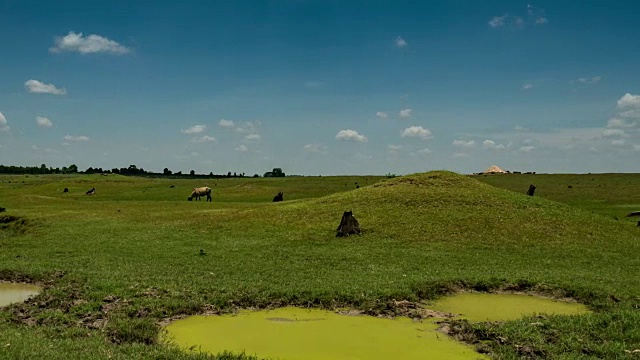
(503, 307)
(11, 293)
(294, 333)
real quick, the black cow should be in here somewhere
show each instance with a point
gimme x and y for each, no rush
(532, 189)
(91, 192)
(279, 197)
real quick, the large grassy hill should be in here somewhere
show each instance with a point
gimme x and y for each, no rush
(117, 263)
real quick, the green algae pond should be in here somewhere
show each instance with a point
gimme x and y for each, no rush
(12, 293)
(295, 333)
(503, 307)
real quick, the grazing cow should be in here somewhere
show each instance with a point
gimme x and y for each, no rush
(2, 209)
(278, 197)
(199, 192)
(91, 192)
(66, 190)
(634, 213)
(532, 189)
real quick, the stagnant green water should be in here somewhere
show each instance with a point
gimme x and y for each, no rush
(294, 333)
(503, 307)
(11, 293)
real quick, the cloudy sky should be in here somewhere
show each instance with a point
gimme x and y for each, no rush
(321, 87)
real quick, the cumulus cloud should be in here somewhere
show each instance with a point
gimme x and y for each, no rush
(636, 147)
(464, 143)
(203, 139)
(491, 145)
(614, 133)
(195, 129)
(351, 135)
(3, 123)
(248, 127)
(37, 87)
(417, 131)
(618, 142)
(228, 124)
(242, 148)
(43, 121)
(520, 128)
(87, 44)
(620, 123)
(527, 86)
(458, 155)
(315, 148)
(497, 21)
(405, 113)
(76, 138)
(526, 149)
(629, 101)
(382, 114)
(424, 151)
(252, 137)
(542, 20)
(400, 42)
(393, 149)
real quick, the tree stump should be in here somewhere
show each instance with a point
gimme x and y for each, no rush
(348, 225)
(532, 189)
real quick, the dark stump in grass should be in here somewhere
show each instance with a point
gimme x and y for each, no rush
(532, 189)
(348, 225)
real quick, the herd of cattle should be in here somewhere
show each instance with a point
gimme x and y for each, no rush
(196, 194)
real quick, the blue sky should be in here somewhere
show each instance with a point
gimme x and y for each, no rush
(321, 87)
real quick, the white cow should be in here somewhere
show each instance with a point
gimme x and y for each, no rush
(199, 192)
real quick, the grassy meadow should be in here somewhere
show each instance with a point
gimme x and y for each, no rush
(116, 265)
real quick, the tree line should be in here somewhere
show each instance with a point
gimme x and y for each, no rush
(132, 170)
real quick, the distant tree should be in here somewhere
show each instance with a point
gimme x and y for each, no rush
(256, 175)
(72, 169)
(211, 173)
(115, 171)
(166, 171)
(234, 175)
(229, 174)
(277, 172)
(179, 172)
(192, 172)
(89, 170)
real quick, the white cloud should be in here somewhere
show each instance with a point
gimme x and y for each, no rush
(405, 113)
(417, 131)
(491, 145)
(34, 147)
(541, 20)
(382, 114)
(226, 123)
(400, 42)
(614, 133)
(520, 128)
(424, 151)
(619, 142)
(315, 148)
(620, 123)
(3, 123)
(87, 45)
(590, 80)
(76, 138)
(252, 137)
(35, 86)
(526, 149)
(497, 21)
(464, 144)
(351, 135)
(527, 86)
(636, 147)
(629, 100)
(458, 155)
(631, 113)
(203, 139)
(242, 148)
(195, 129)
(43, 121)
(393, 149)
(248, 127)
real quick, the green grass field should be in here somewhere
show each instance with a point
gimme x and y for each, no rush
(117, 264)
